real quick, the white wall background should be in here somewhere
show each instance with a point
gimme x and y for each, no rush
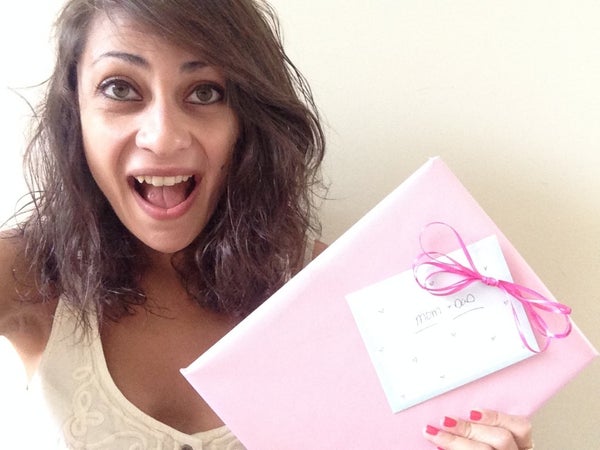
(26, 61)
(507, 92)
(27, 56)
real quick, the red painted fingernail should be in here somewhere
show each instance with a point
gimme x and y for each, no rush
(431, 430)
(449, 422)
(476, 415)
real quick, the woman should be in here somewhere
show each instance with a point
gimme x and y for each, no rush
(172, 177)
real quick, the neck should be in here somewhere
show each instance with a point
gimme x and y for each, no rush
(160, 281)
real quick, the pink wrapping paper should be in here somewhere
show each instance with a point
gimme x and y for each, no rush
(295, 374)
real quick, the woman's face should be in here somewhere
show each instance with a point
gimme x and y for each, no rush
(158, 133)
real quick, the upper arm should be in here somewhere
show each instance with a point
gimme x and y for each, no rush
(24, 321)
(9, 249)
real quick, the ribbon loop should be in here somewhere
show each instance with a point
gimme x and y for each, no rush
(435, 263)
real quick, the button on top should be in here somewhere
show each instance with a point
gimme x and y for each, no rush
(187, 447)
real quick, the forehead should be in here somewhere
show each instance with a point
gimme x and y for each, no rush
(121, 32)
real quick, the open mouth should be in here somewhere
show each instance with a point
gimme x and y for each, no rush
(164, 192)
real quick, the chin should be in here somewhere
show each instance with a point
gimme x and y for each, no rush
(166, 246)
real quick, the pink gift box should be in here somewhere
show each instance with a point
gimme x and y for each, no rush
(295, 374)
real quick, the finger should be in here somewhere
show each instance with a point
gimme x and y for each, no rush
(445, 440)
(519, 426)
(492, 436)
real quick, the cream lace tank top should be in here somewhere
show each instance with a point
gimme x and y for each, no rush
(87, 409)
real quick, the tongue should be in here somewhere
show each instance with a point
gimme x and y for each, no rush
(165, 196)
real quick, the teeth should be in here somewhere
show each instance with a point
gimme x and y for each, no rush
(162, 181)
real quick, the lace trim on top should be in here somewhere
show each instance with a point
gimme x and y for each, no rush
(93, 412)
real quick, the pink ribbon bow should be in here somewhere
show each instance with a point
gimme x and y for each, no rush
(533, 302)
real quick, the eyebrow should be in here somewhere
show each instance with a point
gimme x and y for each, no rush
(128, 57)
(189, 66)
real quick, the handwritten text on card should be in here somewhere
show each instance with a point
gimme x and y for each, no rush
(423, 345)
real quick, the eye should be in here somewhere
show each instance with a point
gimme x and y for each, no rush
(206, 94)
(117, 89)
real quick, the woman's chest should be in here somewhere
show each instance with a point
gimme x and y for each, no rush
(144, 354)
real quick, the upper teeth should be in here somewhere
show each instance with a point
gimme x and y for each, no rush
(162, 181)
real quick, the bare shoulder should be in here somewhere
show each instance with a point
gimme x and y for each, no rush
(318, 248)
(26, 323)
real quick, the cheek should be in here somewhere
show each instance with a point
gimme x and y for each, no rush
(96, 163)
(101, 141)
(102, 161)
(234, 139)
(222, 173)
(227, 146)
(91, 141)
(91, 159)
(223, 163)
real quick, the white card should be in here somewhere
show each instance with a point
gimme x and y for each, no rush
(423, 345)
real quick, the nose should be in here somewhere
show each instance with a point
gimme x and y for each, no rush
(163, 128)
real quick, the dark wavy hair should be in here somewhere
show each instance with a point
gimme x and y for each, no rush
(255, 241)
